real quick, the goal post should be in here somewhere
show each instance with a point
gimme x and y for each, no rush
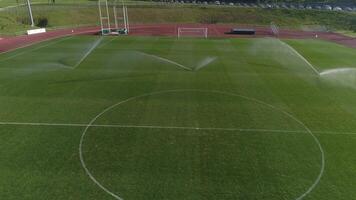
(104, 17)
(192, 32)
(108, 13)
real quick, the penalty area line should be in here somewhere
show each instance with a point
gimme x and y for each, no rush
(170, 127)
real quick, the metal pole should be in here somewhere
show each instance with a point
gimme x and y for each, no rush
(123, 11)
(108, 15)
(127, 20)
(30, 12)
(115, 16)
(101, 18)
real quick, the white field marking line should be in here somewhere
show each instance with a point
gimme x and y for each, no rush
(35, 49)
(42, 124)
(46, 40)
(81, 157)
(92, 48)
(172, 127)
(300, 56)
(149, 127)
(165, 60)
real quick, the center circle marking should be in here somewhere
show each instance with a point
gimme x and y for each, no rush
(317, 142)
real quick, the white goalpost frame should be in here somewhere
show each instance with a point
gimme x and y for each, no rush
(105, 22)
(181, 30)
(104, 19)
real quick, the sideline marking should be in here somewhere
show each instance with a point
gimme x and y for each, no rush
(81, 157)
(300, 56)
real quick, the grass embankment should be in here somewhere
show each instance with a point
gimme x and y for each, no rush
(7, 3)
(14, 20)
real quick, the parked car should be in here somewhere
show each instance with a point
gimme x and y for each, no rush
(308, 7)
(327, 7)
(337, 8)
(348, 9)
(254, 5)
(231, 4)
(301, 7)
(261, 5)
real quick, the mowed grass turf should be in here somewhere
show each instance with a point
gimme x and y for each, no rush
(178, 119)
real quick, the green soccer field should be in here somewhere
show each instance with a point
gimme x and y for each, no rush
(159, 118)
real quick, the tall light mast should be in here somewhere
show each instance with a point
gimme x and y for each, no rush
(30, 12)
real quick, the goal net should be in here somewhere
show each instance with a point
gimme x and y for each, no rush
(192, 32)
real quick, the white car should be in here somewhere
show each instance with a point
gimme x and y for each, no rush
(327, 7)
(337, 8)
(348, 9)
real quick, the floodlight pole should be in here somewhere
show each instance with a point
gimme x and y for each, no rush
(126, 17)
(123, 11)
(30, 12)
(115, 17)
(127, 20)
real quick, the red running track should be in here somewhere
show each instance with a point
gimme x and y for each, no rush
(11, 43)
